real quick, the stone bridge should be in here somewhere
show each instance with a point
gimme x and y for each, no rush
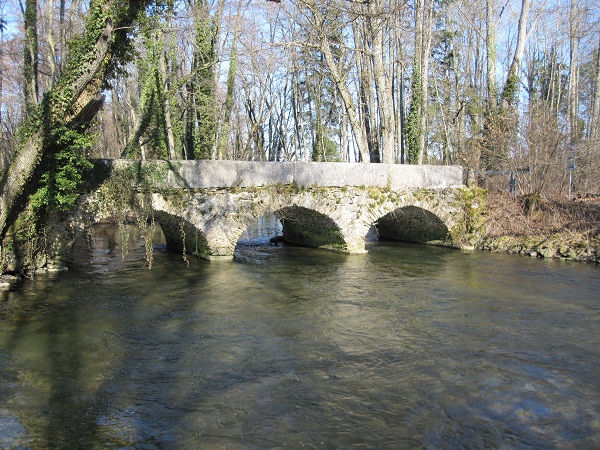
(208, 205)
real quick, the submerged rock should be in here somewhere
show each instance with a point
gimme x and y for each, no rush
(256, 254)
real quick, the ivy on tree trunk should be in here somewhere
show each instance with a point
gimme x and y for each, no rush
(55, 127)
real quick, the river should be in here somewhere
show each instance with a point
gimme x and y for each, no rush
(406, 346)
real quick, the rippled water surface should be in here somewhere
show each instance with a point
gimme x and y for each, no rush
(407, 346)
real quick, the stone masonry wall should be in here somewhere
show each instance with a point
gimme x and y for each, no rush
(331, 205)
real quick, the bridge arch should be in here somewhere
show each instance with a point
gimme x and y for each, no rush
(301, 225)
(310, 228)
(181, 235)
(414, 223)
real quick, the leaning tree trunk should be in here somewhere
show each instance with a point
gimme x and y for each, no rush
(366, 99)
(73, 100)
(511, 85)
(339, 80)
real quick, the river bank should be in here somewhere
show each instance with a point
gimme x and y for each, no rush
(543, 228)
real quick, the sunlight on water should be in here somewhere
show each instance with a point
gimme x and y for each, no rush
(407, 346)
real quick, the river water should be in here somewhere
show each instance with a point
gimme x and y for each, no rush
(406, 346)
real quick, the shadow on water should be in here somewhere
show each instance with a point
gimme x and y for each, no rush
(48, 342)
(70, 351)
(405, 346)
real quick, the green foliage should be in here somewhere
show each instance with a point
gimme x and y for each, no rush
(65, 167)
(126, 192)
(57, 127)
(532, 202)
(152, 130)
(233, 65)
(83, 51)
(63, 175)
(198, 134)
(511, 89)
(205, 88)
(413, 122)
(325, 149)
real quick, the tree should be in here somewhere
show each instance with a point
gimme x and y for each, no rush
(595, 122)
(417, 116)
(69, 106)
(321, 28)
(30, 57)
(204, 89)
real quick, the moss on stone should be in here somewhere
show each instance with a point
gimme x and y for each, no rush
(472, 203)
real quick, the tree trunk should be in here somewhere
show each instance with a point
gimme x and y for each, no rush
(426, 50)
(30, 58)
(167, 94)
(510, 91)
(359, 132)
(204, 78)
(297, 115)
(490, 45)
(165, 86)
(414, 127)
(366, 100)
(595, 122)
(573, 94)
(384, 90)
(61, 23)
(340, 82)
(1, 87)
(223, 137)
(69, 102)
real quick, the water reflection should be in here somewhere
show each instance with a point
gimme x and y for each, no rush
(406, 346)
(260, 232)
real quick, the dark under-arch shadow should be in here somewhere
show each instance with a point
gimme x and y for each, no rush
(412, 224)
(181, 236)
(308, 228)
(293, 225)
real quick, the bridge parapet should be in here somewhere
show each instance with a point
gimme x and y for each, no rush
(206, 174)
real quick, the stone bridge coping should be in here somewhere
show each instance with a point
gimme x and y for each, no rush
(203, 174)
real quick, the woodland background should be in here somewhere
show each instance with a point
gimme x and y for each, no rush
(488, 84)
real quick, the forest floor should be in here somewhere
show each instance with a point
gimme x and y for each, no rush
(544, 228)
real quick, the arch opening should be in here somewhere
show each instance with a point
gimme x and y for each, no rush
(267, 229)
(106, 244)
(412, 224)
(181, 235)
(309, 228)
(293, 225)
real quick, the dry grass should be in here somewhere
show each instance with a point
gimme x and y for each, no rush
(534, 216)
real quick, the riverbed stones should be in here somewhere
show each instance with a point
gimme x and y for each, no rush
(547, 252)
